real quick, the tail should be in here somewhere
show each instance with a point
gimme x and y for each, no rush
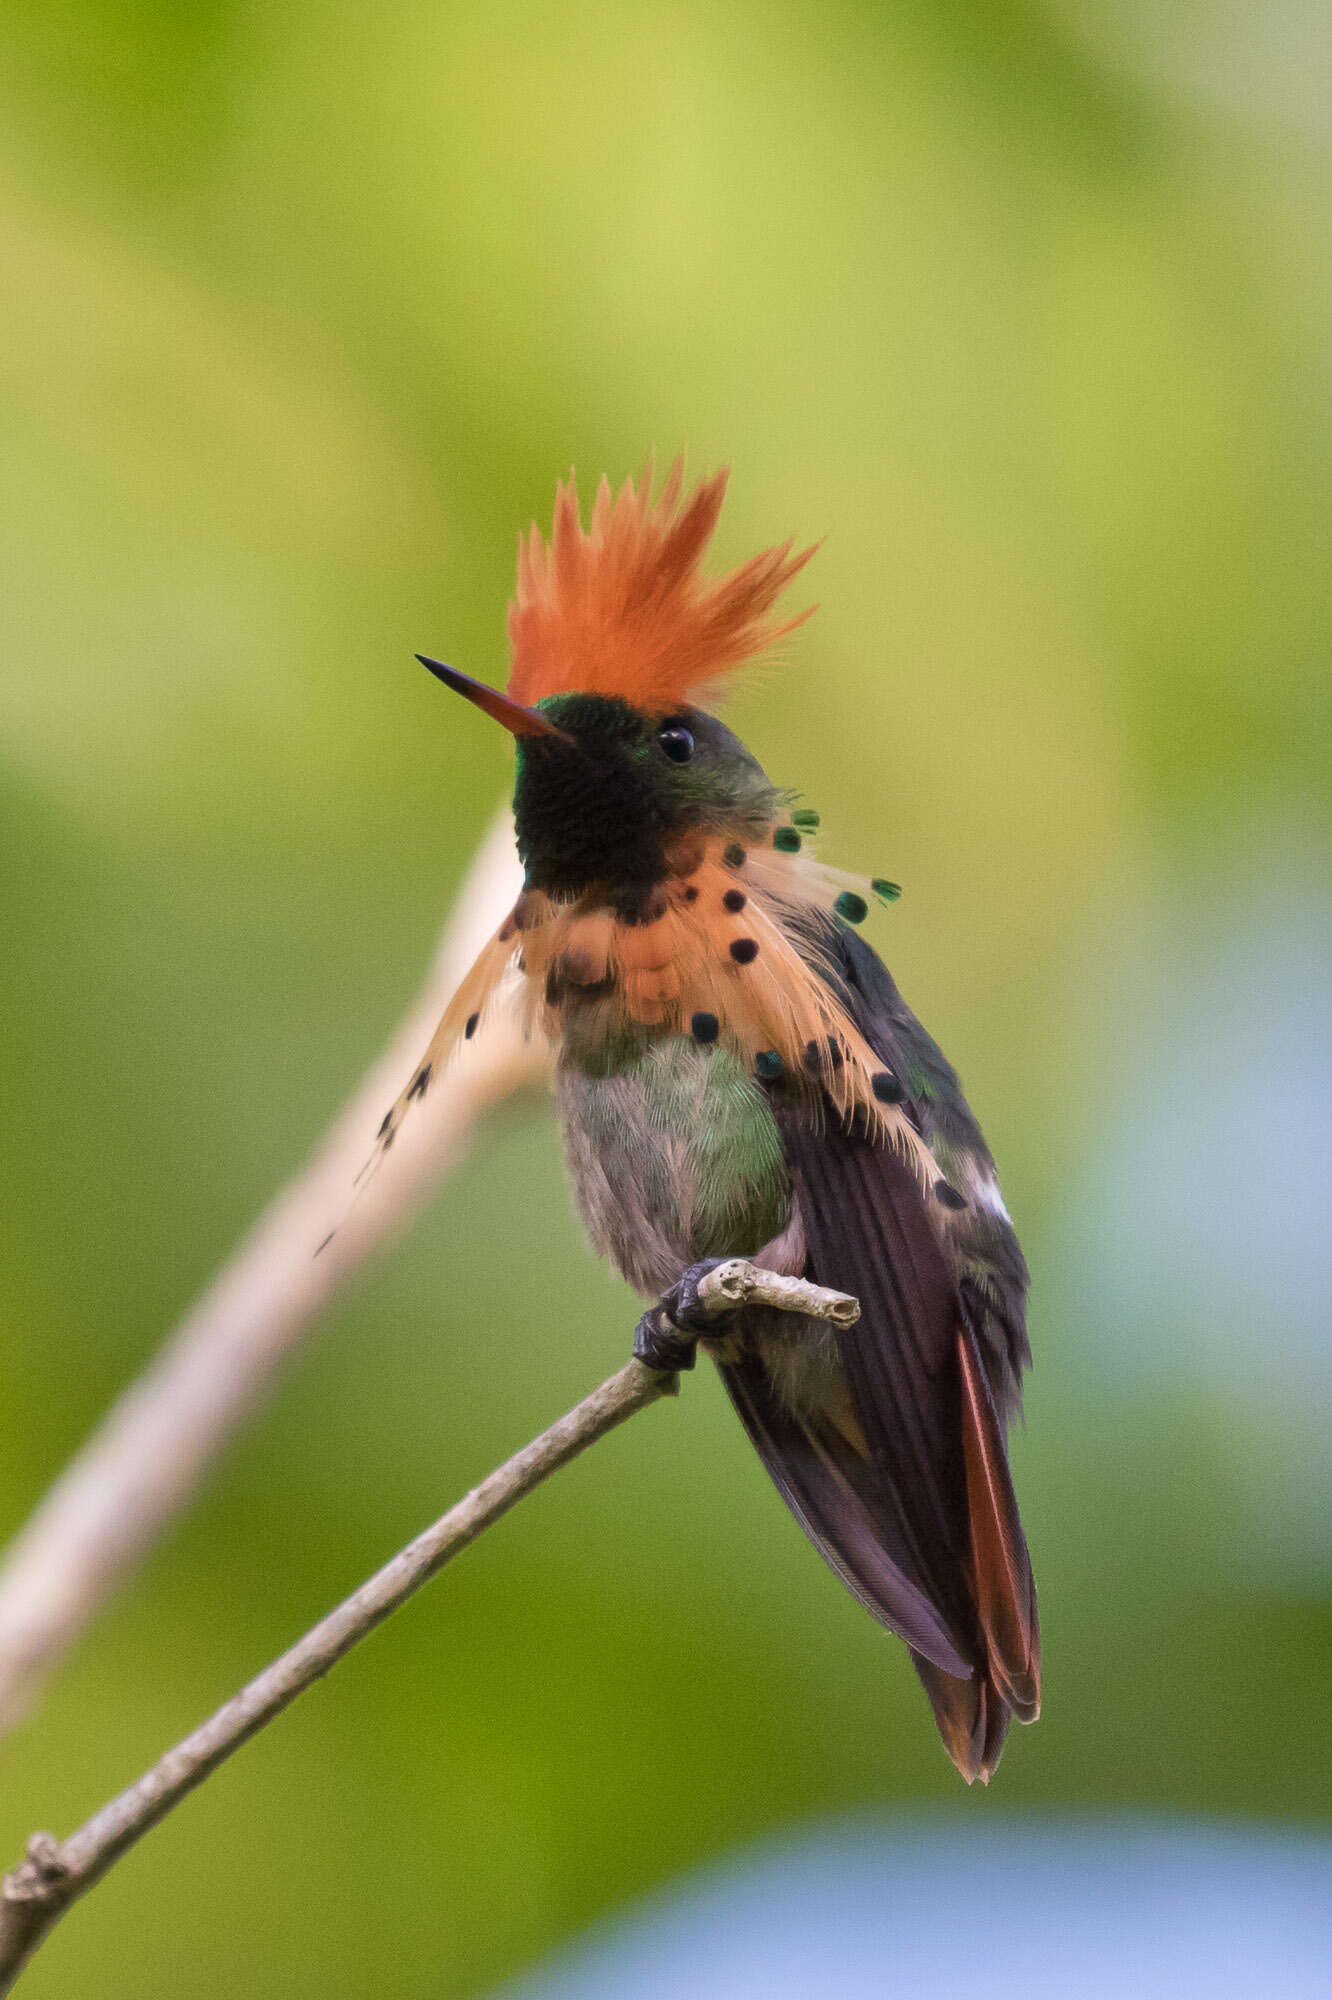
(972, 1718)
(978, 1662)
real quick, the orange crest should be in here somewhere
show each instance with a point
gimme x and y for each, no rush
(623, 608)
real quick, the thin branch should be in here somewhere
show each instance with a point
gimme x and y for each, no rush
(146, 1458)
(737, 1283)
(56, 1873)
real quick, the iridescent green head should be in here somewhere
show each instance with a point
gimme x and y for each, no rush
(608, 799)
(605, 790)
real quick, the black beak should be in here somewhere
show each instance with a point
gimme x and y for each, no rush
(520, 721)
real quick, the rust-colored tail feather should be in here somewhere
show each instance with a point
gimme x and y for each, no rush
(1005, 1590)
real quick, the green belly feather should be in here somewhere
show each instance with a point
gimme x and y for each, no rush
(675, 1155)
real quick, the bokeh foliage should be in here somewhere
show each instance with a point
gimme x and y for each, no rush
(1025, 307)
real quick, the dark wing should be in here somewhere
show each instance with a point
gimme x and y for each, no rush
(936, 1486)
(834, 1488)
(991, 1339)
(865, 1233)
(983, 1247)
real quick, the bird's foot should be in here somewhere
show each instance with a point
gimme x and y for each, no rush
(667, 1336)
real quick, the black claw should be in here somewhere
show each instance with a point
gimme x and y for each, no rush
(680, 1303)
(660, 1344)
(667, 1335)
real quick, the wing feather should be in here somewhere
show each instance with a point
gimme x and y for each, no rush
(835, 1495)
(865, 1233)
(938, 1486)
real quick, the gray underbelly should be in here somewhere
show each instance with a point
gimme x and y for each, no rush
(673, 1157)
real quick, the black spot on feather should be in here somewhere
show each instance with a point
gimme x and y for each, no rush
(734, 900)
(744, 950)
(576, 966)
(704, 1028)
(687, 859)
(420, 1083)
(640, 905)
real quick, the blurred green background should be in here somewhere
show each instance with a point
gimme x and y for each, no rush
(1025, 308)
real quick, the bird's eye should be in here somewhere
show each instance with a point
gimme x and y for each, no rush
(676, 741)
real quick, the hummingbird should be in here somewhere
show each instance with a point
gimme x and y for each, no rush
(738, 1076)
